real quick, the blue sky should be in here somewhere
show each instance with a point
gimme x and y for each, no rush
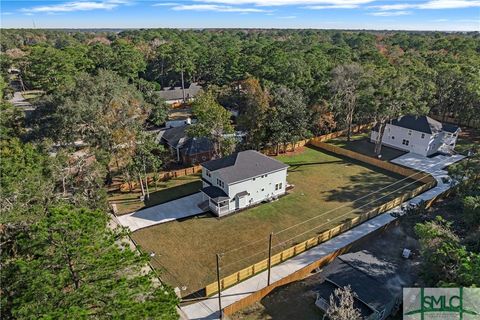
(450, 15)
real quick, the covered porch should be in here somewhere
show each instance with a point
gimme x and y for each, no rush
(218, 200)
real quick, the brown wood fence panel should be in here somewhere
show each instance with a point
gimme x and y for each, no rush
(125, 187)
(406, 172)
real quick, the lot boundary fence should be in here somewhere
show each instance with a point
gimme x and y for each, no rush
(126, 187)
(428, 183)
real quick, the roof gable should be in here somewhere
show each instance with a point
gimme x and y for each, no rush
(243, 165)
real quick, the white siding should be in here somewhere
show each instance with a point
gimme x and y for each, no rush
(406, 139)
(260, 189)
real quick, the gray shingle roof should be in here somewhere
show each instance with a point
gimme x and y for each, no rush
(422, 124)
(243, 165)
(215, 193)
(197, 145)
(365, 274)
(177, 94)
(177, 137)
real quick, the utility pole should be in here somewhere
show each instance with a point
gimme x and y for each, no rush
(218, 286)
(269, 257)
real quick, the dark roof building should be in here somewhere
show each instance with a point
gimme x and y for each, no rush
(421, 124)
(372, 279)
(243, 165)
(187, 149)
(176, 93)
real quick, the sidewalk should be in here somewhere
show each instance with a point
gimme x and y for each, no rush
(208, 309)
(165, 212)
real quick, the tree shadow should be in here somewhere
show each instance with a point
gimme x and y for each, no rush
(297, 165)
(365, 187)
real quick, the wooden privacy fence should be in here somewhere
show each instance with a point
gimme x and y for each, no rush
(406, 172)
(325, 137)
(125, 187)
(429, 182)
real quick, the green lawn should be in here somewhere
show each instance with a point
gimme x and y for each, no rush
(467, 139)
(361, 143)
(164, 192)
(327, 189)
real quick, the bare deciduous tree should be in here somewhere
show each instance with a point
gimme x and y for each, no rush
(341, 305)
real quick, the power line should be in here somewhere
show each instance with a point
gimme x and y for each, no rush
(326, 212)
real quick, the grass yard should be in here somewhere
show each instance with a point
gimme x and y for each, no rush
(327, 189)
(467, 139)
(165, 191)
(361, 143)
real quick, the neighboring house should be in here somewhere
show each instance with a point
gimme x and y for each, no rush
(174, 95)
(241, 180)
(422, 135)
(185, 149)
(373, 280)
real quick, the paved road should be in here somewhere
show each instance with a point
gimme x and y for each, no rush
(208, 309)
(165, 212)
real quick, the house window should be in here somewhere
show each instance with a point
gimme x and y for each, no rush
(393, 138)
(409, 132)
(208, 174)
(263, 189)
(423, 135)
(405, 142)
(253, 179)
(220, 183)
(278, 186)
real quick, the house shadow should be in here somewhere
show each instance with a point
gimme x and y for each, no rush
(173, 193)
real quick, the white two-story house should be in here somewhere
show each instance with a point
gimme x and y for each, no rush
(421, 135)
(241, 180)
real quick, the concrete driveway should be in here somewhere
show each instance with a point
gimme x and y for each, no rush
(432, 165)
(165, 212)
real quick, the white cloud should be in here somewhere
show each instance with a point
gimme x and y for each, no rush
(390, 13)
(216, 8)
(76, 6)
(338, 6)
(449, 4)
(290, 2)
(431, 4)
